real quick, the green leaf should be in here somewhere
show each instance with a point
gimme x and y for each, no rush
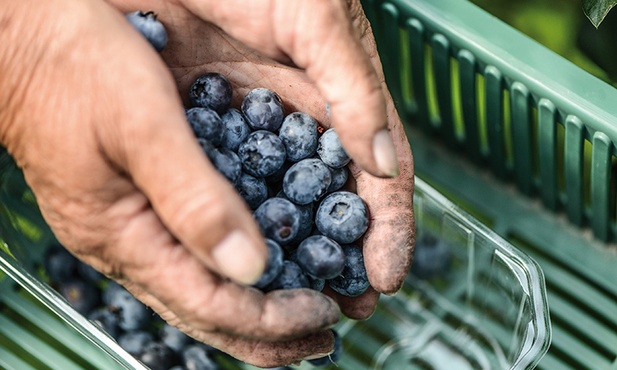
(596, 10)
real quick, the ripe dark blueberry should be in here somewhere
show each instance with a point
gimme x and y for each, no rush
(320, 257)
(342, 216)
(263, 109)
(253, 190)
(274, 266)
(334, 356)
(133, 314)
(236, 129)
(135, 342)
(228, 163)
(291, 277)
(150, 27)
(278, 219)
(432, 257)
(158, 356)
(307, 181)
(173, 338)
(262, 154)
(299, 134)
(82, 296)
(331, 150)
(353, 281)
(59, 264)
(107, 320)
(206, 124)
(198, 357)
(211, 90)
(339, 178)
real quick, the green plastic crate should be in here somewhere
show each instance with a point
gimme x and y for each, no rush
(525, 141)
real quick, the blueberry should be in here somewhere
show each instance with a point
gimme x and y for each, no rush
(158, 356)
(59, 264)
(279, 220)
(342, 216)
(306, 219)
(330, 149)
(206, 124)
(135, 342)
(263, 109)
(320, 257)
(299, 134)
(236, 129)
(339, 178)
(111, 290)
(198, 357)
(353, 281)
(133, 314)
(334, 356)
(274, 265)
(106, 320)
(227, 163)
(253, 190)
(173, 338)
(150, 27)
(211, 90)
(307, 181)
(432, 257)
(316, 284)
(81, 295)
(262, 154)
(291, 277)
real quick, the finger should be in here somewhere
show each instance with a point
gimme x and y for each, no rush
(177, 283)
(389, 240)
(318, 37)
(356, 308)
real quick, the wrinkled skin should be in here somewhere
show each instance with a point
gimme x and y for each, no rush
(95, 119)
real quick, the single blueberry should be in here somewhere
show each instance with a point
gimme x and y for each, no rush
(342, 216)
(133, 314)
(111, 290)
(262, 154)
(307, 181)
(135, 342)
(320, 257)
(291, 277)
(206, 124)
(263, 109)
(158, 356)
(279, 220)
(253, 190)
(211, 90)
(81, 295)
(334, 356)
(150, 27)
(330, 149)
(299, 134)
(198, 357)
(353, 281)
(106, 320)
(173, 338)
(432, 257)
(59, 264)
(339, 178)
(236, 129)
(274, 264)
(227, 163)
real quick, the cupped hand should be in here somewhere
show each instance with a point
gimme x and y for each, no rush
(97, 124)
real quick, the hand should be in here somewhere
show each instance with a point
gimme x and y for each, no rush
(99, 130)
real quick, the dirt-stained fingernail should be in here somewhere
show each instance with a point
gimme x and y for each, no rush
(239, 259)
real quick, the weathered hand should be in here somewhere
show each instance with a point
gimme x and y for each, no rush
(97, 125)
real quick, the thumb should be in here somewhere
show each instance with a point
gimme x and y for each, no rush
(155, 146)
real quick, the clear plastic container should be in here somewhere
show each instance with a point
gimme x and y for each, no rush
(487, 309)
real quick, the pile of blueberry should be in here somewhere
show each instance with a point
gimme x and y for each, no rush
(291, 174)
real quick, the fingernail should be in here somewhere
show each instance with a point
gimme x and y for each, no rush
(385, 154)
(317, 355)
(238, 258)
